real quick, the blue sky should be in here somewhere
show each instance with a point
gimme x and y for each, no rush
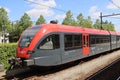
(16, 8)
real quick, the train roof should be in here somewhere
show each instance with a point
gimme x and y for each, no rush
(73, 29)
(118, 33)
(113, 33)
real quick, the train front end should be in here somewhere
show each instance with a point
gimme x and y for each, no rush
(25, 47)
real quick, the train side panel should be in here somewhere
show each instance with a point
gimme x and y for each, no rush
(113, 42)
(99, 43)
(72, 47)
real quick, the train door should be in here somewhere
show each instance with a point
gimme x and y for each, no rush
(85, 44)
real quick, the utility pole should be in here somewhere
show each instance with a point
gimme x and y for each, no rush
(101, 21)
(101, 16)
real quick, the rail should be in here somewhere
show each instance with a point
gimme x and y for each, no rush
(110, 72)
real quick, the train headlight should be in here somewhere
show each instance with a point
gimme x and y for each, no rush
(22, 52)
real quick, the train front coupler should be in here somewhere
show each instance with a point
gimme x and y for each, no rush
(15, 62)
(20, 62)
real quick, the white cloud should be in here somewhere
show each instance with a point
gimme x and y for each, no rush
(114, 4)
(94, 12)
(59, 16)
(43, 7)
(8, 10)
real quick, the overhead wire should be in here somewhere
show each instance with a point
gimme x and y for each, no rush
(64, 11)
(45, 5)
(110, 16)
(58, 9)
(114, 4)
(115, 17)
(113, 13)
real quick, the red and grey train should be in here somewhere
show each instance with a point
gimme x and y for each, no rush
(55, 44)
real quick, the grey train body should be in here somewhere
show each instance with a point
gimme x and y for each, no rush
(59, 51)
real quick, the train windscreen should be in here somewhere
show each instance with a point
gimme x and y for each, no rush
(28, 35)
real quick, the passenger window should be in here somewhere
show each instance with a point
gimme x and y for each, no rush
(51, 42)
(77, 41)
(68, 41)
(72, 41)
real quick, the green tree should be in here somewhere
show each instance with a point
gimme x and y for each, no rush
(4, 21)
(19, 27)
(69, 19)
(111, 26)
(84, 22)
(80, 20)
(40, 20)
(97, 24)
(108, 26)
(105, 25)
(25, 21)
(15, 32)
(88, 22)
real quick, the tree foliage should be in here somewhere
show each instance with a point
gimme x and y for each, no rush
(108, 26)
(105, 25)
(80, 20)
(19, 27)
(40, 20)
(97, 24)
(25, 21)
(15, 32)
(4, 21)
(69, 20)
(7, 51)
(86, 22)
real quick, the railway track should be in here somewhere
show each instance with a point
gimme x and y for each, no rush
(29, 74)
(80, 71)
(110, 72)
(118, 78)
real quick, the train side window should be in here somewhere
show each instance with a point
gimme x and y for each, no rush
(92, 40)
(72, 41)
(50, 42)
(77, 41)
(118, 38)
(68, 41)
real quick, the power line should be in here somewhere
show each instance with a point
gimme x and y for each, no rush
(114, 4)
(111, 15)
(58, 9)
(45, 5)
(115, 17)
